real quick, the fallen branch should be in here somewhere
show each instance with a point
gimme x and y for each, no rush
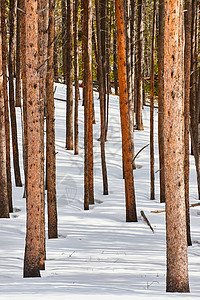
(146, 220)
(139, 152)
(163, 210)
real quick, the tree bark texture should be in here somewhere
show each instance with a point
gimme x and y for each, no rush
(176, 236)
(33, 204)
(6, 105)
(4, 203)
(131, 215)
(76, 76)
(18, 56)
(50, 125)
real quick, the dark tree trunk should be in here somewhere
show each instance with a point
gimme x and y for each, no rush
(6, 106)
(101, 97)
(187, 65)
(18, 57)
(50, 125)
(11, 95)
(76, 77)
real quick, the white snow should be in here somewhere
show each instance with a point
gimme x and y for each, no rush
(97, 253)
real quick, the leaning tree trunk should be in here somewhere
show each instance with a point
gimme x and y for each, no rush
(187, 65)
(176, 236)
(33, 226)
(101, 97)
(50, 125)
(11, 96)
(6, 105)
(131, 215)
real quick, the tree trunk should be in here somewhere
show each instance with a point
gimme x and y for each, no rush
(152, 105)
(50, 125)
(76, 77)
(11, 96)
(187, 65)
(115, 70)
(139, 121)
(64, 37)
(42, 67)
(69, 73)
(177, 262)
(18, 57)
(161, 99)
(101, 97)
(6, 108)
(4, 203)
(33, 229)
(131, 215)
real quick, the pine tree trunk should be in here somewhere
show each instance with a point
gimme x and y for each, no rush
(6, 105)
(64, 37)
(101, 97)
(177, 262)
(11, 96)
(187, 65)
(152, 105)
(33, 229)
(18, 57)
(161, 99)
(69, 73)
(131, 215)
(42, 67)
(4, 203)
(50, 125)
(115, 70)
(139, 121)
(76, 76)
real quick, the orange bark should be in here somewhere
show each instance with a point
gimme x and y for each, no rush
(131, 215)
(177, 262)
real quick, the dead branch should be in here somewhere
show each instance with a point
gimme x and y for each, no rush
(146, 220)
(163, 210)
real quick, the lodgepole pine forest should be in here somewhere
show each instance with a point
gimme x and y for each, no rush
(99, 148)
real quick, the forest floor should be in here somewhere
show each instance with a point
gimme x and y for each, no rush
(97, 253)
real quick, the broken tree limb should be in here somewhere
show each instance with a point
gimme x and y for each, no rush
(139, 152)
(146, 220)
(163, 210)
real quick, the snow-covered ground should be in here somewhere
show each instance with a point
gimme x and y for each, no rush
(97, 253)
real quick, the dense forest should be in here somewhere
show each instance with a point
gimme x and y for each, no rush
(145, 51)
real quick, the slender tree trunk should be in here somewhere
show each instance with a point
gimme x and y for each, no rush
(11, 96)
(50, 125)
(115, 70)
(33, 229)
(76, 76)
(187, 66)
(64, 37)
(4, 203)
(6, 108)
(152, 105)
(55, 59)
(42, 67)
(18, 57)
(101, 97)
(69, 73)
(176, 236)
(131, 215)
(139, 121)
(129, 76)
(161, 99)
